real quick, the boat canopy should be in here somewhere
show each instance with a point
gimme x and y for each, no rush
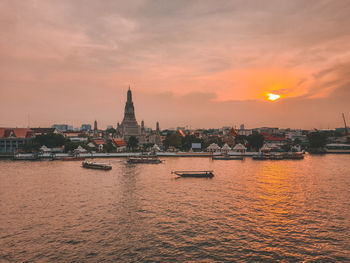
(213, 147)
(239, 147)
(226, 147)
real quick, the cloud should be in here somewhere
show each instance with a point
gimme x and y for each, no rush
(85, 53)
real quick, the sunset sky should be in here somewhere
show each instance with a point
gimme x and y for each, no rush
(197, 63)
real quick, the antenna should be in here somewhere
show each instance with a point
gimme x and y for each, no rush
(346, 128)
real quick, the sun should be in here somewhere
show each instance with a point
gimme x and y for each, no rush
(271, 96)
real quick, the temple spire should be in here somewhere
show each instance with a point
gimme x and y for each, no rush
(129, 96)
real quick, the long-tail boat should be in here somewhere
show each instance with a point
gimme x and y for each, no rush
(198, 174)
(144, 159)
(227, 157)
(97, 166)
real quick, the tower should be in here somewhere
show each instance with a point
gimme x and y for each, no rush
(129, 126)
(95, 129)
(157, 128)
(158, 141)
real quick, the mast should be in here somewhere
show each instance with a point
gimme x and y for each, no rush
(346, 127)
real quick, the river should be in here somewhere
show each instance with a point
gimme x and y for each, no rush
(286, 210)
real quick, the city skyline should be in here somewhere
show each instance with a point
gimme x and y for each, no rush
(190, 63)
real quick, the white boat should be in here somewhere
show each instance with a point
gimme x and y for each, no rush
(337, 148)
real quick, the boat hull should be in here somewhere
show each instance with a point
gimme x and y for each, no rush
(227, 158)
(96, 166)
(195, 174)
(71, 158)
(151, 160)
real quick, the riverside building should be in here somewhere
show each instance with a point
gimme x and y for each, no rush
(13, 139)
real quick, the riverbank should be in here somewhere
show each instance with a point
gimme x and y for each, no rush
(125, 154)
(32, 156)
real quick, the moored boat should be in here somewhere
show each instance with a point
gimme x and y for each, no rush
(97, 166)
(227, 157)
(197, 174)
(268, 157)
(73, 158)
(144, 159)
(337, 148)
(27, 157)
(293, 155)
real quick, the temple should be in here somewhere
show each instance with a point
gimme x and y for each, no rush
(129, 126)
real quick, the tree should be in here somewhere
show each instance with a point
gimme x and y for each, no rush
(174, 140)
(70, 146)
(255, 140)
(132, 143)
(31, 146)
(109, 147)
(111, 131)
(242, 139)
(147, 146)
(50, 140)
(188, 140)
(317, 139)
(297, 141)
(213, 139)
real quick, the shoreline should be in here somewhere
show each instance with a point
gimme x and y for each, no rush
(31, 156)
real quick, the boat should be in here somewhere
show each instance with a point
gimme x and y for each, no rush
(97, 166)
(293, 155)
(227, 157)
(27, 157)
(337, 148)
(197, 174)
(144, 159)
(73, 158)
(268, 157)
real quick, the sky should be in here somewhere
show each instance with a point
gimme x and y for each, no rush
(202, 64)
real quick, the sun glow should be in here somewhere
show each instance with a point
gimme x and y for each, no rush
(272, 96)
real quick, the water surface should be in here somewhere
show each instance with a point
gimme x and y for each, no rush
(250, 211)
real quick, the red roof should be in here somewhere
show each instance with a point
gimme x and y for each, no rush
(15, 132)
(233, 132)
(119, 142)
(98, 141)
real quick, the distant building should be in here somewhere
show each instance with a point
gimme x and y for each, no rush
(76, 136)
(60, 127)
(244, 132)
(295, 134)
(268, 130)
(85, 127)
(95, 129)
(241, 127)
(273, 141)
(42, 131)
(13, 139)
